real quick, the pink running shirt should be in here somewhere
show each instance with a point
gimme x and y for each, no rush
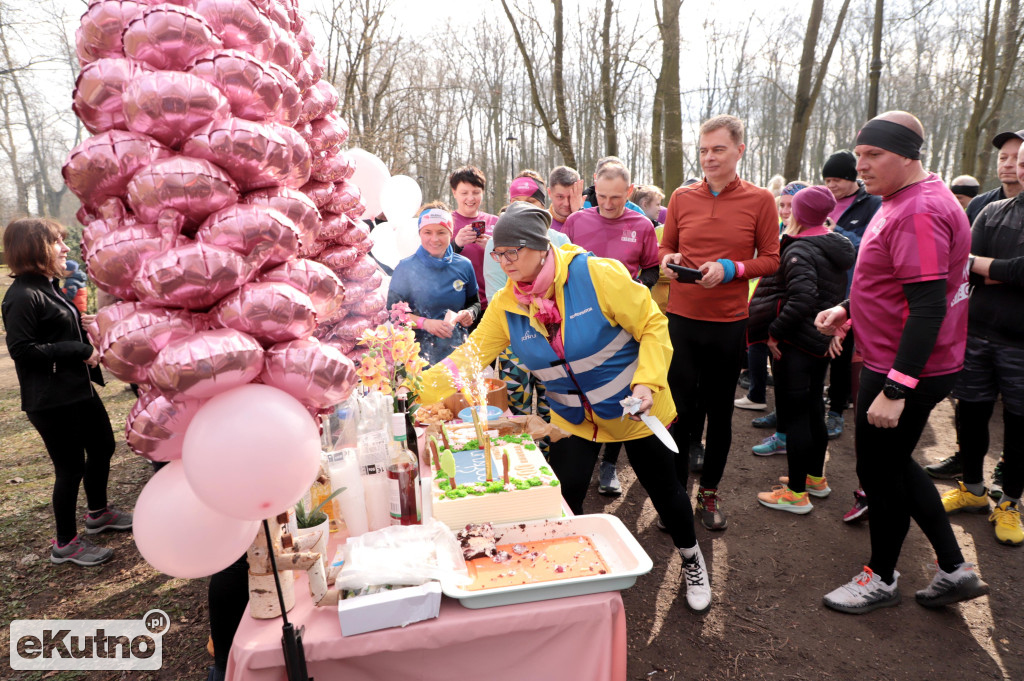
(630, 238)
(919, 234)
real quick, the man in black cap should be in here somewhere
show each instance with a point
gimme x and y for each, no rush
(854, 210)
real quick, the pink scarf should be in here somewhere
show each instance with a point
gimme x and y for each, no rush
(538, 297)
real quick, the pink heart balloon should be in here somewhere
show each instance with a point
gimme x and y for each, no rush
(364, 268)
(285, 52)
(102, 166)
(98, 89)
(369, 305)
(169, 37)
(298, 207)
(238, 24)
(320, 192)
(330, 95)
(339, 258)
(356, 233)
(170, 106)
(317, 375)
(193, 276)
(304, 74)
(116, 257)
(343, 346)
(156, 425)
(277, 12)
(329, 132)
(189, 187)
(266, 236)
(312, 250)
(291, 95)
(333, 167)
(109, 315)
(317, 67)
(131, 344)
(314, 104)
(255, 155)
(207, 363)
(100, 28)
(333, 226)
(270, 312)
(317, 281)
(345, 198)
(253, 89)
(305, 40)
(360, 289)
(364, 246)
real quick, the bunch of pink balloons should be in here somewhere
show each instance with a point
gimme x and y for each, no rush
(219, 207)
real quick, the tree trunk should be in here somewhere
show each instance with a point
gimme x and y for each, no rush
(657, 123)
(611, 145)
(671, 101)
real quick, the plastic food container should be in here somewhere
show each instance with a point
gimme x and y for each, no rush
(625, 558)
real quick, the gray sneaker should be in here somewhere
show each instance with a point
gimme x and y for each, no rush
(110, 519)
(864, 593)
(80, 552)
(946, 588)
(608, 481)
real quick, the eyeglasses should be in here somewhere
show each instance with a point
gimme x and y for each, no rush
(510, 255)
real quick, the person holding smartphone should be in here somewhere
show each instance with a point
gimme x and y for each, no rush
(472, 226)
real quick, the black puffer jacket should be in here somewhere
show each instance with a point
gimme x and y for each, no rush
(47, 344)
(811, 277)
(995, 309)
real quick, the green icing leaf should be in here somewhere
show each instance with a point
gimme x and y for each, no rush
(447, 461)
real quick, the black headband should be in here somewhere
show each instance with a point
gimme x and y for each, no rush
(892, 137)
(965, 189)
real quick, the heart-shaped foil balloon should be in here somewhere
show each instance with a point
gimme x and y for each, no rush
(116, 257)
(156, 425)
(111, 314)
(329, 132)
(239, 25)
(170, 106)
(285, 52)
(206, 363)
(98, 90)
(339, 258)
(315, 280)
(193, 276)
(333, 226)
(314, 105)
(356, 233)
(369, 305)
(364, 267)
(265, 236)
(320, 192)
(253, 88)
(169, 37)
(99, 30)
(189, 187)
(298, 207)
(291, 95)
(345, 197)
(102, 166)
(131, 344)
(350, 328)
(317, 375)
(269, 311)
(335, 166)
(255, 155)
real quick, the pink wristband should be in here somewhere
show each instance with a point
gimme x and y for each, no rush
(902, 379)
(739, 268)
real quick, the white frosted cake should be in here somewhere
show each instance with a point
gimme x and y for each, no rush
(532, 492)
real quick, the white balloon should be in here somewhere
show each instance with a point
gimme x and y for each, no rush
(400, 198)
(370, 176)
(385, 244)
(407, 236)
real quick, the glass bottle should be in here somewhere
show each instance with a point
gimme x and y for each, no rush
(403, 476)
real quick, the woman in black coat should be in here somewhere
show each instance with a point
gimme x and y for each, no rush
(811, 277)
(56, 367)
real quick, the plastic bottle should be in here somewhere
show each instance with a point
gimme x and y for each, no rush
(373, 439)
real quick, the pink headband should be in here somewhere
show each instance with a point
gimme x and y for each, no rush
(527, 186)
(436, 216)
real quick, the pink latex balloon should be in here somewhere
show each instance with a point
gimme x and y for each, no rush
(98, 89)
(339, 258)
(156, 425)
(116, 257)
(369, 305)
(298, 207)
(320, 192)
(238, 24)
(345, 198)
(251, 452)
(266, 236)
(254, 91)
(131, 344)
(102, 166)
(100, 28)
(356, 233)
(363, 268)
(317, 281)
(314, 104)
(169, 37)
(192, 541)
(291, 96)
(333, 226)
(329, 132)
(317, 375)
(206, 363)
(270, 312)
(332, 167)
(189, 187)
(194, 276)
(255, 155)
(169, 106)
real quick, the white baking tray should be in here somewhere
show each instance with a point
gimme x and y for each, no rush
(625, 558)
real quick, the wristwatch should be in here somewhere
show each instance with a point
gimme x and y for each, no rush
(894, 391)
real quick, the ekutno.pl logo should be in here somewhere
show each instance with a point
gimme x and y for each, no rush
(89, 644)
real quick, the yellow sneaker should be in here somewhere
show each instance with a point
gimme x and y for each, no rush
(959, 499)
(818, 489)
(1006, 519)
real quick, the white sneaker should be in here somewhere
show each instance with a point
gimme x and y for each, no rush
(962, 584)
(864, 593)
(747, 403)
(698, 583)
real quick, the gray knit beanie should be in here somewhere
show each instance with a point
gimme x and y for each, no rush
(523, 224)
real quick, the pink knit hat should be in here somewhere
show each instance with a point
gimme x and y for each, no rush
(812, 205)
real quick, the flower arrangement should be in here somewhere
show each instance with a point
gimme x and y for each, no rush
(392, 365)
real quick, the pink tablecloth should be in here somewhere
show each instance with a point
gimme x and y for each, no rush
(583, 637)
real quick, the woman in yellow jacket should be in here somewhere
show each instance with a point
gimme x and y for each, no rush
(593, 336)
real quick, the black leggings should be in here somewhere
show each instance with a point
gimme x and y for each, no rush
(80, 442)
(228, 595)
(896, 485)
(840, 377)
(972, 433)
(706, 359)
(573, 460)
(799, 379)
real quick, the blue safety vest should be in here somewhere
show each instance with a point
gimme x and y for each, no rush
(600, 358)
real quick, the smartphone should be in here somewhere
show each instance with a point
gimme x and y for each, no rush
(686, 274)
(478, 227)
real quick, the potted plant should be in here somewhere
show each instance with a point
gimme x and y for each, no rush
(315, 520)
